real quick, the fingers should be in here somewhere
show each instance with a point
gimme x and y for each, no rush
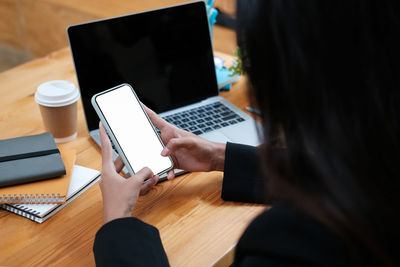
(171, 175)
(145, 188)
(165, 152)
(119, 164)
(157, 120)
(177, 143)
(143, 174)
(106, 150)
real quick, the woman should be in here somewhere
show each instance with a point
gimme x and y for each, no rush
(325, 75)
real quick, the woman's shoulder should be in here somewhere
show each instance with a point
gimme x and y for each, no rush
(285, 235)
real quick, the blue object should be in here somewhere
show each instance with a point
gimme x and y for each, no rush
(225, 78)
(212, 15)
(254, 110)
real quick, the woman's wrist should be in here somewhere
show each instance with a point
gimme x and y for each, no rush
(110, 214)
(218, 159)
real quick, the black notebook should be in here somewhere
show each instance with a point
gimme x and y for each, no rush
(28, 159)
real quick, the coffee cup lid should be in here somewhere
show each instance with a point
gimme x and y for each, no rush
(56, 93)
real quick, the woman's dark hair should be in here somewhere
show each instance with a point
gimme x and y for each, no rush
(326, 76)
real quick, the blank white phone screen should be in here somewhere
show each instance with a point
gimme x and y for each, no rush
(132, 130)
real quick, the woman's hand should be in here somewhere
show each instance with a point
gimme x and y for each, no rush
(119, 193)
(188, 151)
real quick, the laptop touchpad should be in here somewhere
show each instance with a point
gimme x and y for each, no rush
(216, 136)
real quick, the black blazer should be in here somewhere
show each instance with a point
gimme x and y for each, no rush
(281, 236)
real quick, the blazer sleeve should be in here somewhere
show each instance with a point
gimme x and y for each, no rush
(129, 242)
(243, 179)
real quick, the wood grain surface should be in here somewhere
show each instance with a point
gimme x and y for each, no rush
(39, 27)
(11, 32)
(197, 227)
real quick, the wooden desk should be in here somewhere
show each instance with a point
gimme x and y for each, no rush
(196, 226)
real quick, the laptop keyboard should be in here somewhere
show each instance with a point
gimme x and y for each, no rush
(205, 118)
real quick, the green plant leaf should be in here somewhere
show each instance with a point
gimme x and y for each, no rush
(237, 66)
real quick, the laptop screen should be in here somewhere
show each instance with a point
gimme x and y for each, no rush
(166, 55)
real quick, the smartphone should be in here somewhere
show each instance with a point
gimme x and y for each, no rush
(134, 136)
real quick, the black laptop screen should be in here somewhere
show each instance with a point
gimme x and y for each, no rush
(166, 55)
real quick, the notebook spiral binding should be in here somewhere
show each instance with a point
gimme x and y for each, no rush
(32, 198)
(25, 212)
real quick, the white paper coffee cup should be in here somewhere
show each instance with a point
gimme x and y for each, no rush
(58, 105)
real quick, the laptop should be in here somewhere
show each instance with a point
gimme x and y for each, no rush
(166, 55)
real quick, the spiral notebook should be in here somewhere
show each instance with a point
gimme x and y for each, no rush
(46, 191)
(82, 179)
